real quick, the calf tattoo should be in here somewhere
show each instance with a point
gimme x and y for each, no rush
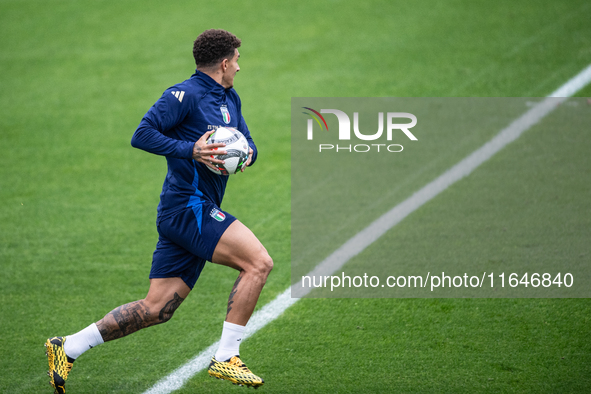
(233, 292)
(134, 316)
(170, 307)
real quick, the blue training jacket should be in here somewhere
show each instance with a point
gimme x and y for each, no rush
(171, 127)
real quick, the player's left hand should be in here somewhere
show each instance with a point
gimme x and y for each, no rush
(250, 151)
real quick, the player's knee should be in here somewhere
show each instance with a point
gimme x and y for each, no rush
(268, 263)
(162, 312)
(264, 264)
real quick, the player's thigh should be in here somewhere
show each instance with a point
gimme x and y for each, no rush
(239, 248)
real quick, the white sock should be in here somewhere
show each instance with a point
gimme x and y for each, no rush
(230, 342)
(82, 341)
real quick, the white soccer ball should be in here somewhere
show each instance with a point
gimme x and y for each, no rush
(236, 148)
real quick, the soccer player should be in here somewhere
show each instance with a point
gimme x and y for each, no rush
(191, 226)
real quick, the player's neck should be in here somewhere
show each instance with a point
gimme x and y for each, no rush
(215, 74)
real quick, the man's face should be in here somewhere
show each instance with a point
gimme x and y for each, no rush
(230, 68)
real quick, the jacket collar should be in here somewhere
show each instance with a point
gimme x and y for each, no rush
(209, 82)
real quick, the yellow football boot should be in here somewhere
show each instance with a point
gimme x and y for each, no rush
(235, 371)
(60, 365)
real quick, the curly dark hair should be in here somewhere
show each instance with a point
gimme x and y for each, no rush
(214, 45)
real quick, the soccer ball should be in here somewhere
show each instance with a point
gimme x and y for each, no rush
(236, 148)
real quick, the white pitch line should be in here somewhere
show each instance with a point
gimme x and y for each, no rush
(375, 230)
(575, 84)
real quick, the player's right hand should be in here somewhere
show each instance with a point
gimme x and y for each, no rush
(205, 153)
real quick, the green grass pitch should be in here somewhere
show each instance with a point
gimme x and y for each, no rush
(79, 204)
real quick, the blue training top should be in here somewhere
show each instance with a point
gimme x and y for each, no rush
(171, 127)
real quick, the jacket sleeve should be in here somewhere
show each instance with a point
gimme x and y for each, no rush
(164, 115)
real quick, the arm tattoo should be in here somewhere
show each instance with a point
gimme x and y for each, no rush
(233, 292)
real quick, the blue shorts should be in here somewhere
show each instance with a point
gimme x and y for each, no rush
(186, 240)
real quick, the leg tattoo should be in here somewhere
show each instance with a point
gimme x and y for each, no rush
(233, 292)
(128, 318)
(170, 307)
(134, 316)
